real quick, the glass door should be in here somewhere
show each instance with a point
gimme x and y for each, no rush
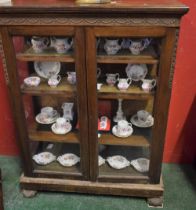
(51, 86)
(122, 77)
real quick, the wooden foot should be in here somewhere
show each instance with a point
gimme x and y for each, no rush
(156, 202)
(29, 193)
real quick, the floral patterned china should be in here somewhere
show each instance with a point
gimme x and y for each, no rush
(141, 164)
(39, 44)
(32, 81)
(46, 69)
(142, 119)
(68, 159)
(112, 46)
(123, 129)
(62, 126)
(61, 44)
(54, 81)
(44, 158)
(124, 83)
(47, 116)
(148, 84)
(118, 162)
(136, 72)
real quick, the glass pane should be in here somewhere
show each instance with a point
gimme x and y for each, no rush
(47, 78)
(127, 70)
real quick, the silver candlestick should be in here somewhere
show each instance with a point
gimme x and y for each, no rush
(119, 114)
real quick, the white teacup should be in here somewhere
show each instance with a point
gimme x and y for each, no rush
(39, 43)
(148, 84)
(48, 112)
(99, 86)
(123, 127)
(62, 123)
(54, 80)
(143, 116)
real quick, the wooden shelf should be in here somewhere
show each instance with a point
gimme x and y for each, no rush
(148, 56)
(43, 133)
(139, 138)
(49, 54)
(65, 89)
(133, 92)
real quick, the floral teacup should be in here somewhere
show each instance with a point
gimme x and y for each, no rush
(54, 80)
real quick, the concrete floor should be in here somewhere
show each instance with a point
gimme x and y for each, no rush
(179, 181)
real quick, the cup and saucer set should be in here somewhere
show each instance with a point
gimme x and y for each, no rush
(123, 129)
(47, 116)
(142, 119)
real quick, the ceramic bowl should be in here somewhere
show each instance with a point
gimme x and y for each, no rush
(141, 164)
(118, 162)
(44, 158)
(32, 81)
(68, 159)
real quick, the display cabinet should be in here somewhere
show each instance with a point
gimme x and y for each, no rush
(90, 87)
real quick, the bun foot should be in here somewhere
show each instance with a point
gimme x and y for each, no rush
(29, 193)
(155, 202)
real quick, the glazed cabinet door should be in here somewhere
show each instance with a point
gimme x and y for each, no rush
(127, 81)
(47, 83)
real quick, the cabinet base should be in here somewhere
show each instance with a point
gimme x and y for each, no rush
(81, 186)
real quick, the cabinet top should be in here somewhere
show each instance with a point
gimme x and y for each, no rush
(116, 6)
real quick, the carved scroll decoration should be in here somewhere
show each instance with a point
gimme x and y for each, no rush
(4, 61)
(173, 61)
(90, 21)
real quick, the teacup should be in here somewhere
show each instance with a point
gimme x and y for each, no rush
(123, 83)
(143, 116)
(61, 44)
(48, 112)
(62, 123)
(148, 84)
(32, 81)
(54, 80)
(39, 43)
(99, 86)
(112, 46)
(71, 77)
(123, 127)
(112, 78)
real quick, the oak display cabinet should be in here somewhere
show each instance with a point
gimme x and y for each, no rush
(90, 26)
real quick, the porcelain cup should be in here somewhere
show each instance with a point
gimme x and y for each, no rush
(123, 127)
(39, 43)
(99, 86)
(61, 44)
(54, 80)
(112, 78)
(48, 112)
(143, 116)
(71, 77)
(124, 83)
(148, 84)
(62, 123)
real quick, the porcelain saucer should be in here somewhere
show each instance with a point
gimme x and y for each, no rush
(67, 129)
(46, 121)
(124, 135)
(148, 123)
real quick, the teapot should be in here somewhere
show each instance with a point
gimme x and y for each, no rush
(61, 44)
(138, 45)
(112, 46)
(123, 83)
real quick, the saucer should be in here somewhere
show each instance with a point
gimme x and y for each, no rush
(125, 135)
(60, 131)
(148, 123)
(46, 121)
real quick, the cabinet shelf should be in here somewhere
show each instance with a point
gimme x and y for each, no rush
(63, 88)
(133, 92)
(139, 138)
(43, 133)
(148, 56)
(49, 54)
